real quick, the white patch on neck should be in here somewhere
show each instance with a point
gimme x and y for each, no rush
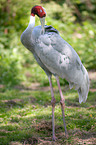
(32, 20)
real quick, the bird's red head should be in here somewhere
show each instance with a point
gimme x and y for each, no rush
(39, 11)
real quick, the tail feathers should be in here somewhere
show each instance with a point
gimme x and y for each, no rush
(82, 97)
(84, 89)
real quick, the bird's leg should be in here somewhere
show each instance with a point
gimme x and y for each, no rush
(62, 102)
(53, 101)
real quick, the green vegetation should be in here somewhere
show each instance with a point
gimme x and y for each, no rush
(25, 116)
(25, 108)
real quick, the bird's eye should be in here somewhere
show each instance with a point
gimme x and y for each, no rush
(40, 10)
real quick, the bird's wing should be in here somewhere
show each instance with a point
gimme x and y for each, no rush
(58, 56)
(50, 29)
(62, 60)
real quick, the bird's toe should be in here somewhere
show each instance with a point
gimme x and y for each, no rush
(54, 138)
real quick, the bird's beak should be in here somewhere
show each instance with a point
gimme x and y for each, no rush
(42, 20)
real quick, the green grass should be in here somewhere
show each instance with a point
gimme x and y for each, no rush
(25, 115)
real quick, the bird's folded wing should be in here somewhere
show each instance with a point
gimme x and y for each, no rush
(50, 29)
(56, 54)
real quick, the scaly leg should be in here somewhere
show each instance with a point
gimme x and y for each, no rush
(62, 102)
(53, 101)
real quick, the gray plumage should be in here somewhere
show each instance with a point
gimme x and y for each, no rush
(57, 57)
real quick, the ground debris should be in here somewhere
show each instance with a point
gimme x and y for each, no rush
(84, 137)
(15, 143)
(31, 141)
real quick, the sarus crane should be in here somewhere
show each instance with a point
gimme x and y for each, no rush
(56, 57)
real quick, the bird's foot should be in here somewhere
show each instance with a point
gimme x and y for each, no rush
(66, 135)
(54, 138)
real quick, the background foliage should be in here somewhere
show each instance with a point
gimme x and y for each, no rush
(75, 21)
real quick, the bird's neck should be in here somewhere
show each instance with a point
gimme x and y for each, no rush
(28, 31)
(26, 37)
(31, 22)
(42, 20)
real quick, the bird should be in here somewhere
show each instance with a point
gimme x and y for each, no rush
(56, 57)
